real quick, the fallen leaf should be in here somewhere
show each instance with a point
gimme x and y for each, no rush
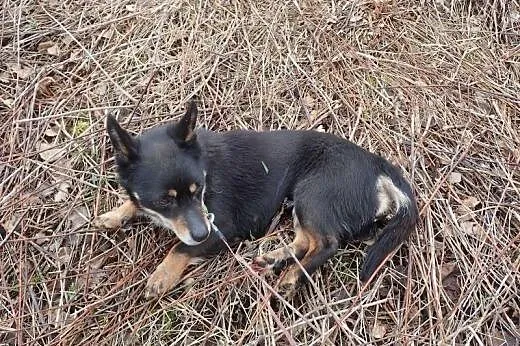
(131, 8)
(54, 50)
(49, 152)
(108, 33)
(45, 87)
(466, 208)
(52, 131)
(101, 89)
(21, 72)
(67, 39)
(451, 287)
(473, 228)
(471, 202)
(43, 46)
(355, 19)
(13, 222)
(447, 269)
(467, 226)
(378, 331)
(455, 178)
(63, 192)
(8, 102)
(41, 237)
(64, 255)
(78, 217)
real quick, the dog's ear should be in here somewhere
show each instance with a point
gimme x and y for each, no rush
(124, 145)
(184, 131)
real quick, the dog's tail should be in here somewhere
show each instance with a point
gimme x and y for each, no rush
(397, 230)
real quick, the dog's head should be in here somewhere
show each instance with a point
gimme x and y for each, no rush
(163, 173)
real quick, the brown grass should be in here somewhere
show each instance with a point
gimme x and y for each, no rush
(432, 85)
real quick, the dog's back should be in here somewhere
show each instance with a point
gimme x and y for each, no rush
(340, 191)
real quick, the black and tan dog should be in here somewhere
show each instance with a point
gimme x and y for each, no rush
(340, 192)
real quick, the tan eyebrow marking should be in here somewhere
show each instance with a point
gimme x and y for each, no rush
(193, 188)
(172, 193)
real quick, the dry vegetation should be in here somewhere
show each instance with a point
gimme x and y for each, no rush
(432, 85)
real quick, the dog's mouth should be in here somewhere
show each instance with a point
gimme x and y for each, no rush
(193, 228)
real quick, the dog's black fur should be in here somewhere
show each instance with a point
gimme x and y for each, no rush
(244, 176)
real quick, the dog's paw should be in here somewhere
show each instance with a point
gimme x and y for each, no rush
(160, 282)
(289, 284)
(263, 262)
(110, 220)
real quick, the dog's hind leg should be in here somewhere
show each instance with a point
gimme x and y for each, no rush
(117, 217)
(321, 248)
(278, 259)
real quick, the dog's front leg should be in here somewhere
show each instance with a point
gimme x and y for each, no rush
(169, 272)
(117, 217)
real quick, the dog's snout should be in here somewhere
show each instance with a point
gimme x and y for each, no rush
(197, 227)
(200, 235)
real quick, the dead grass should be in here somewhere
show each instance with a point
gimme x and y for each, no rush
(432, 85)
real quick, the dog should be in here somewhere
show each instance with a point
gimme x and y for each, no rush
(340, 193)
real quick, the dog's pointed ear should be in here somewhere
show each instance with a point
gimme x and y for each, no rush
(184, 131)
(124, 145)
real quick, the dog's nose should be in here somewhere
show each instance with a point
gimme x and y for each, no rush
(197, 227)
(199, 236)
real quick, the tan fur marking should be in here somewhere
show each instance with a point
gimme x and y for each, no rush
(299, 244)
(168, 273)
(193, 188)
(290, 279)
(116, 217)
(181, 228)
(172, 193)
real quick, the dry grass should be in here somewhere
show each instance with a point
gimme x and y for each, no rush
(432, 85)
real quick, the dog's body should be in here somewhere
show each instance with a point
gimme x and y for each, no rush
(340, 191)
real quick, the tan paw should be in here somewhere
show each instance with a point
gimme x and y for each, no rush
(160, 282)
(289, 284)
(264, 262)
(110, 220)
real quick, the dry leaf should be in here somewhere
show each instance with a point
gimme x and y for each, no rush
(467, 207)
(64, 255)
(67, 39)
(54, 50)
(63, 192)
(21, 72)
(473, 228)
(41, 237)
(451, 287)
(49, 152)
(471, 202)
(101, 89)
(379, 331)
(455, 178)
(467, 227)
(43, 46)
(131, 8)
(107, 33)
(355, 19)
(52, 131)
(447, 269)
(8, 102)
(13, 222)
(49, 47)
(45, 87)
(78, 217)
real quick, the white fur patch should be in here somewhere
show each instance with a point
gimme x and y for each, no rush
(162, 221)
(390, 198)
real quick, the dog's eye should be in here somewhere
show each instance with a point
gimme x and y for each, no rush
(166, 201)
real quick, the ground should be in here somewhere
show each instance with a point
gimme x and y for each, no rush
(432, 85)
